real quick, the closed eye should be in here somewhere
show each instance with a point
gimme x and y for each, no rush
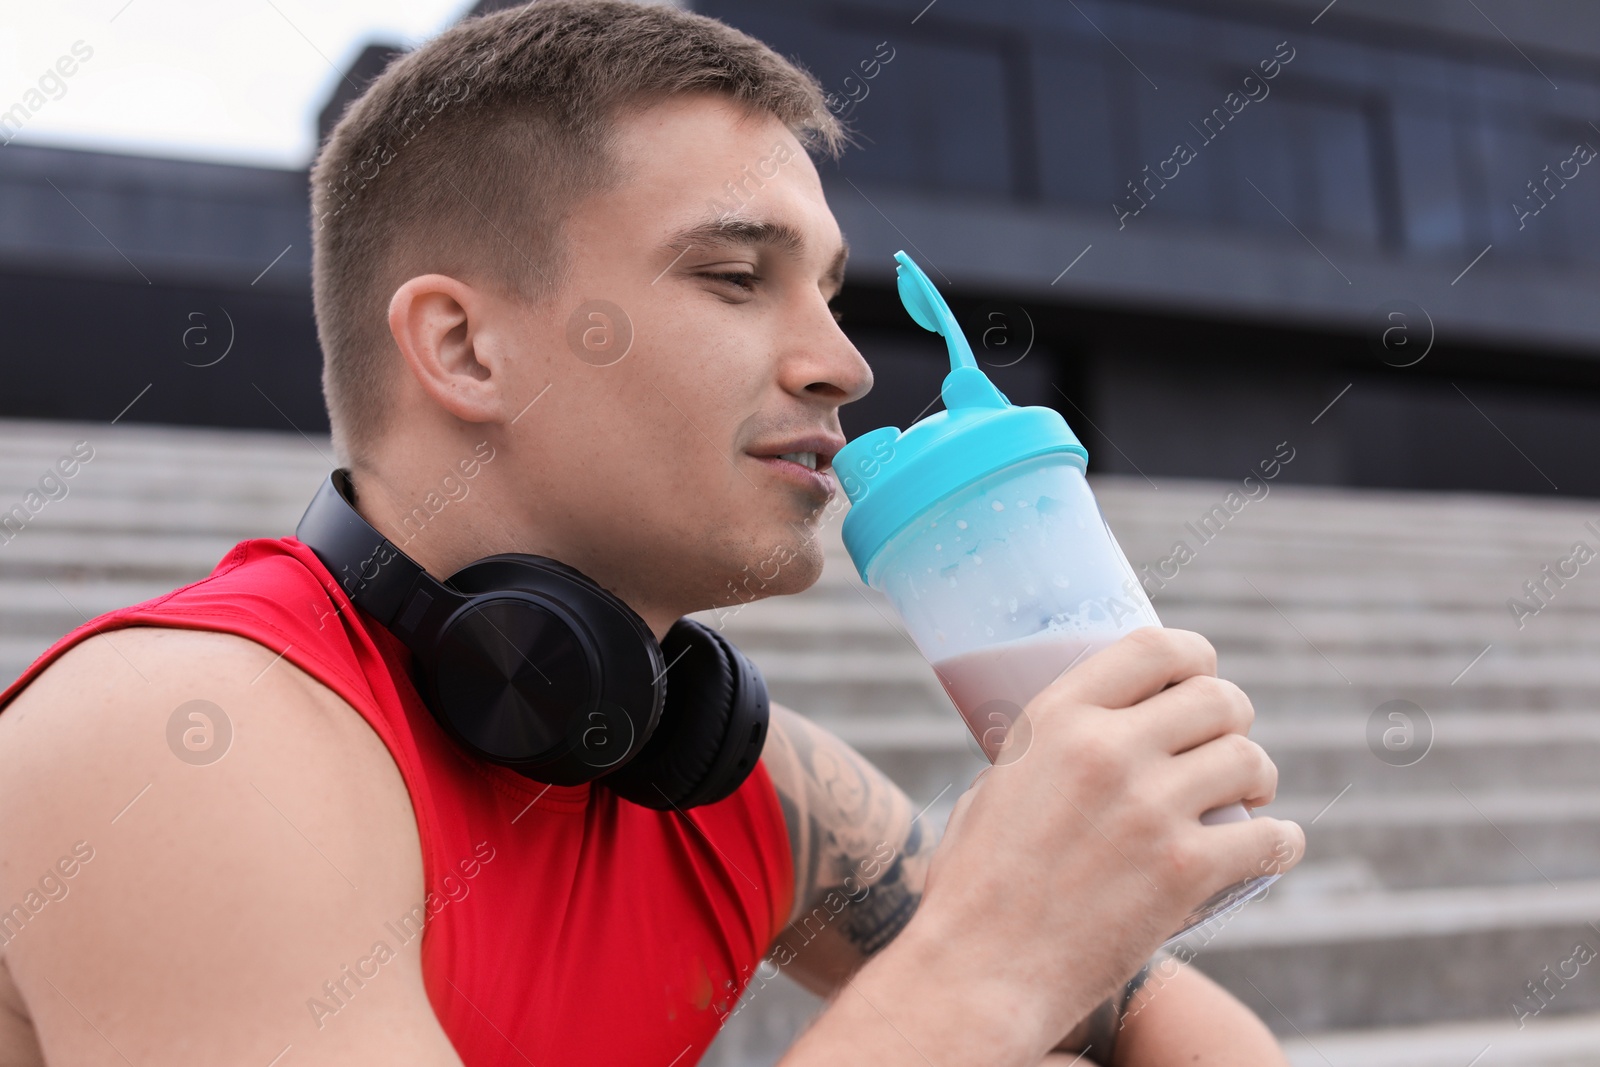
(743, 279)
(748, 280)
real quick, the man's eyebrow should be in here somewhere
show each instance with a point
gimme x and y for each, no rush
(734, 230)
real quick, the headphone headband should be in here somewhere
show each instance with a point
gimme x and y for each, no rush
(337, 533)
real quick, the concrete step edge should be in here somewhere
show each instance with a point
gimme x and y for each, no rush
(1402, 915)
(1547, 1041)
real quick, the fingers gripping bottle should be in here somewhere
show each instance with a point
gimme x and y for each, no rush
(978, 525)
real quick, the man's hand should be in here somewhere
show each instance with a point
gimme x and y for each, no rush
(1062, 870)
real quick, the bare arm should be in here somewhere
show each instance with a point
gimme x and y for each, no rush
(209, 905)
(861, 860)
(1058, 875)
(1180, 1015)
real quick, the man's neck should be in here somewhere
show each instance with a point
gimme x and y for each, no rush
(442, 532)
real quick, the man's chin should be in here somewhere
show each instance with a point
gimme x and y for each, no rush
(792, 566)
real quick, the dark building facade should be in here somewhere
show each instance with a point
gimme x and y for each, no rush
(1197, 230)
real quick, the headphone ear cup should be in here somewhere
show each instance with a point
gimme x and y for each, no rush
(712, 729)
(543, 671)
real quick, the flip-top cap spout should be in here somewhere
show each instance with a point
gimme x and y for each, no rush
(892, 478)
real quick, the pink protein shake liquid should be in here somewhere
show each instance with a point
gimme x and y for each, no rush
(991, 685)
(1014, 672)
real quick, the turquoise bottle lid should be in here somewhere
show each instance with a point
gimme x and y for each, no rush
(892, 478)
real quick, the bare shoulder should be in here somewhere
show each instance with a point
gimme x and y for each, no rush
(199, 836)
(860, 851)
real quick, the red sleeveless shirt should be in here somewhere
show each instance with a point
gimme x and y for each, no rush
(562, 925)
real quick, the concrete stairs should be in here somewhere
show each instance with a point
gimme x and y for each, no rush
(1432, 893)
(154, 508)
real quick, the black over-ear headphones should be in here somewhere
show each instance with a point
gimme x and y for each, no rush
(529, 663)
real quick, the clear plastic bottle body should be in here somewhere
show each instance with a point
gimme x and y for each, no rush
(1023, 551)
(1006, 585)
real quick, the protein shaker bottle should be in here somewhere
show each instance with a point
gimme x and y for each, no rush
(978, 525)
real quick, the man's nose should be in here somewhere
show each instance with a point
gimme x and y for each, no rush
(839, 370)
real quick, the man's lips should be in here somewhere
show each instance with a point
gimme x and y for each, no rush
(820, 480)
(824, 445)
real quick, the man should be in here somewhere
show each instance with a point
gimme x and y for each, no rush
(488, 197)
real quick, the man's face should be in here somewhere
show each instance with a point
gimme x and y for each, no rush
(717, 252)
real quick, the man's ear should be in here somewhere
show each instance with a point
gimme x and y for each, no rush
(437, 323)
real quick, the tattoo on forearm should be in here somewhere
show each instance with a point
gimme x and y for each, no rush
(882, 912)
(859, 855)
